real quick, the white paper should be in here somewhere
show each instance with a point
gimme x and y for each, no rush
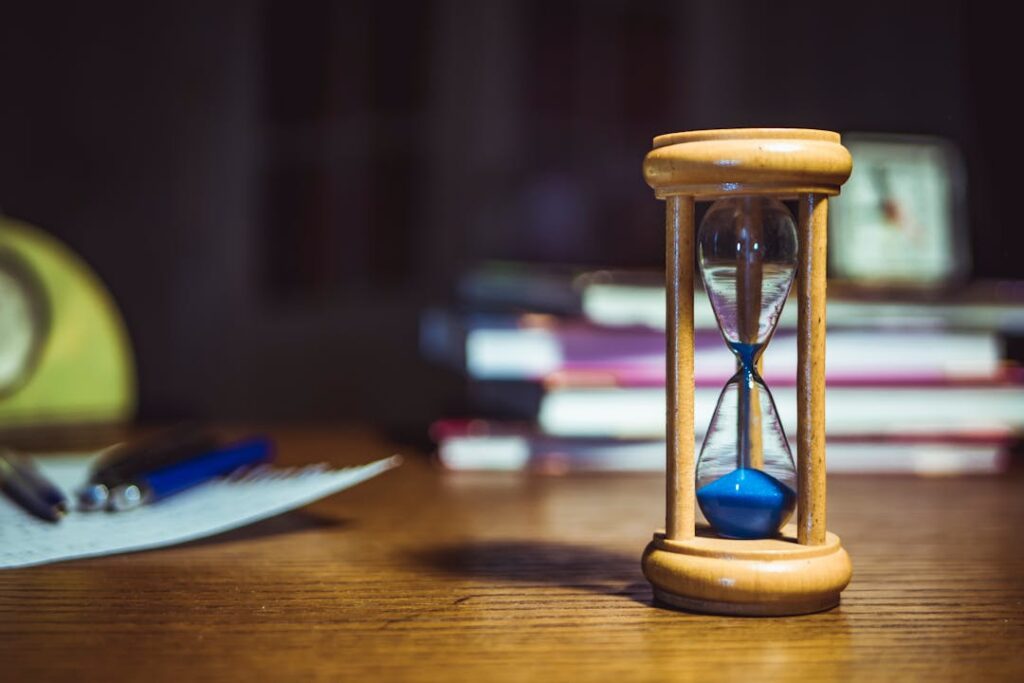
(205, 510)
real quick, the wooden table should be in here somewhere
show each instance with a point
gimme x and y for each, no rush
(424, 575)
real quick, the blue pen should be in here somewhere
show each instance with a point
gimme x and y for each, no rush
(166, 481)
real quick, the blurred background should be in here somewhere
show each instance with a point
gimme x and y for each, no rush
(274, 191)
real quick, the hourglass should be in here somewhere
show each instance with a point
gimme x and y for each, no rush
(751, 250)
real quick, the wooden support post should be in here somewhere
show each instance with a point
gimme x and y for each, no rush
(756, 422)
(810, 379)
(679, 434)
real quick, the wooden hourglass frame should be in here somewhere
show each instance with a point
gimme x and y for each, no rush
(805, 567)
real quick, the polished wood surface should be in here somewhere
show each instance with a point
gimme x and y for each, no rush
(432, 576)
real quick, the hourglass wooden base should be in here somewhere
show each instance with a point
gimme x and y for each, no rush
(769, 577)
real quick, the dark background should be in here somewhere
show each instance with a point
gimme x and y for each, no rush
(273, 190)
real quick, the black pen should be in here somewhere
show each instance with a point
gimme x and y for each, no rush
(180, 476)
(123, 463)
(24, 484)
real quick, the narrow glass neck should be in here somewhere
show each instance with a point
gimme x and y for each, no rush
(748, 414)
(747, 354)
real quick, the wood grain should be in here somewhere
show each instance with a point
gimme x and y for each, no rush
(745, 161)
(764, 577)
(426, 576)
(812, 228)
(679, 474)
(711, 134)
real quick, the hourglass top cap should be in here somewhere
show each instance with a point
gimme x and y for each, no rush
(782, 162)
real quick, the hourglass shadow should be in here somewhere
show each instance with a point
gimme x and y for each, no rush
(557, 564)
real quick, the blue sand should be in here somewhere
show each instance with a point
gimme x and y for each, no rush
(746, 503)
(747, 353)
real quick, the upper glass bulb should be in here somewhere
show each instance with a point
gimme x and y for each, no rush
(748, 254)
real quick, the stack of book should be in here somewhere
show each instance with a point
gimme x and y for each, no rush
(567, 372)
